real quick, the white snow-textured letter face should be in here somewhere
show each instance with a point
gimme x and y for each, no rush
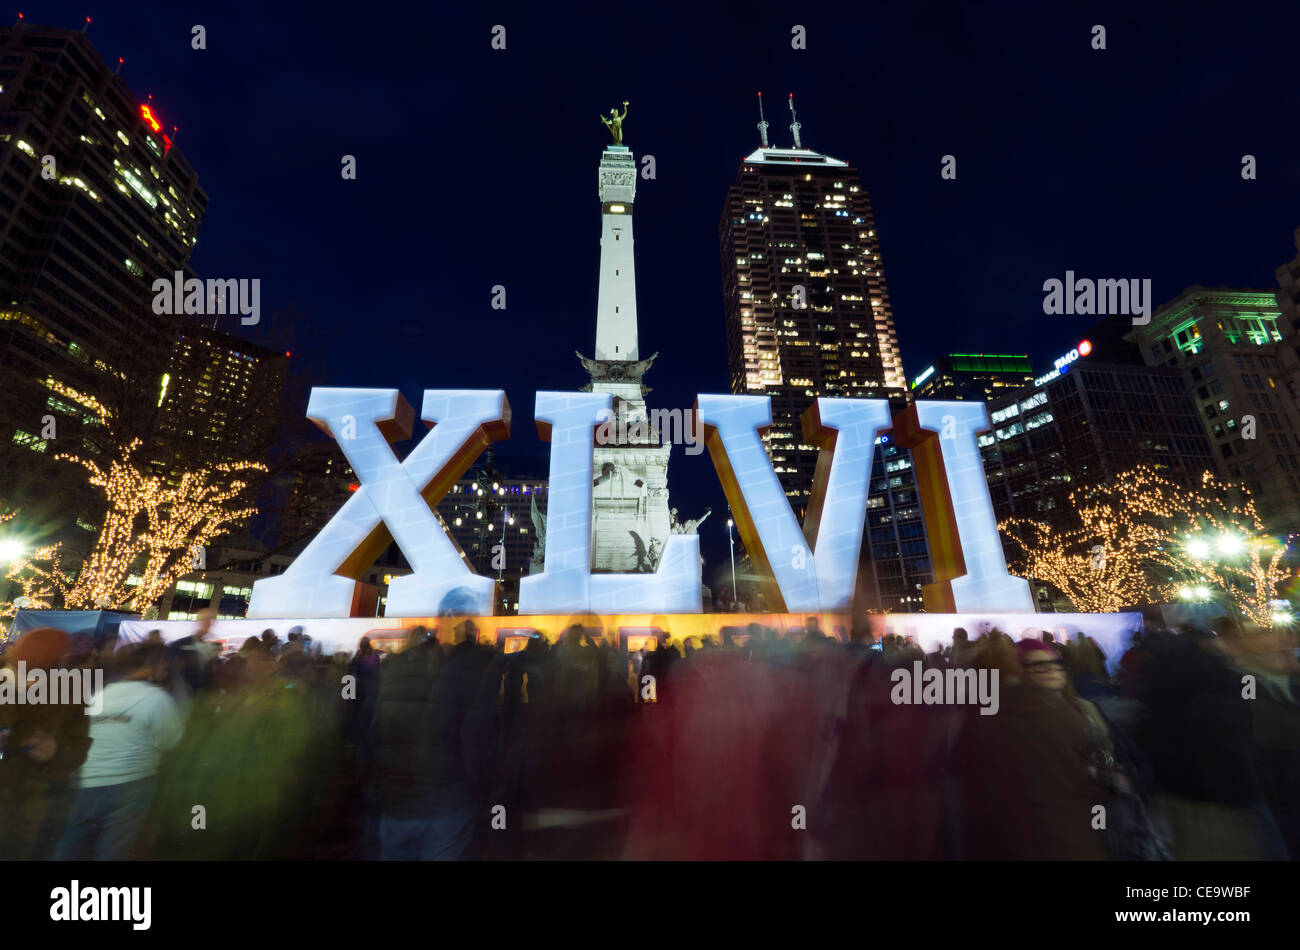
(986, 584)
(568, 421)
(815, 567)
(394, 500)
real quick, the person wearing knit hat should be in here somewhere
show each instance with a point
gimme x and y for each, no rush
(41, 649)
(1042, 663)
(1030, 781)
(46, 744)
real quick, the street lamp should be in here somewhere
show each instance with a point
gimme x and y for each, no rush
(1230, 544)
(1281, 613)
(11, 549)
(732, 541)
(505, 519)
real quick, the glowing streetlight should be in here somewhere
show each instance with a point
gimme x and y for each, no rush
(11, 549)
(1281, 616)
(1230, 544)
(1198, 548)
(732, 541)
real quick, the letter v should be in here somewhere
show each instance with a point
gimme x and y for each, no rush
(846, 430)
(394, 501)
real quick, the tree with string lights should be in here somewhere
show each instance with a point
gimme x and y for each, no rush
(154, 524)
(38, 573)
(1143, 537)
(1100, 564)
(1223, 545)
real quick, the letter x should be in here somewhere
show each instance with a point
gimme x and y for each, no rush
(394, 502)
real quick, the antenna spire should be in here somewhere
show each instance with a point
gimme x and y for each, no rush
(762, 122)
(794, 124)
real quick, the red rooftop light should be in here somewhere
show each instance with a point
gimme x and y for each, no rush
(147, 114)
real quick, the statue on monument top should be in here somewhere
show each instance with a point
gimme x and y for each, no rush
(615, 123)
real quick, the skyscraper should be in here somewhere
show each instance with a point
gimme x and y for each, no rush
(807, 314)
(806, 305)
(95, 203)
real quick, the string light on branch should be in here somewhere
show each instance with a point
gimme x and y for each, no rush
(1143, 538)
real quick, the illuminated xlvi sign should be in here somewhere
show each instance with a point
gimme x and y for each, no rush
(810, 567)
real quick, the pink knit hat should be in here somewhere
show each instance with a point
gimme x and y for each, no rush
(1029, 645)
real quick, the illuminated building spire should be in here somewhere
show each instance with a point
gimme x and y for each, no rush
(794, 124)
(762, 121)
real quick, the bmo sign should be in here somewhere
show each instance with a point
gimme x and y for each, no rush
(1083, 349)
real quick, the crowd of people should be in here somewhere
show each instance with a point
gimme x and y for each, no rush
(761, 746)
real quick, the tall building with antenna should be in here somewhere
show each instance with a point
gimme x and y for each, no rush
(807, 314)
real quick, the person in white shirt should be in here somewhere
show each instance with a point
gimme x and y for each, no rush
(137, 723)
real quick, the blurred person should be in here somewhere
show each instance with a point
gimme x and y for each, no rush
(885, 796)
(1130, 663)
(570, 757)
(1029, 791)
(1269, 657)
(137, 723)
(962, 653)
(400, 737)
(428, 754)
(260, 759)
(191, 657)
(1208, 793)
(41, 747)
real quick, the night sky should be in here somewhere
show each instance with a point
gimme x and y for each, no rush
(478, 167)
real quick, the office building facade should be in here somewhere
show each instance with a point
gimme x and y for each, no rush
(1227, 346)
(807, 313)
(96, 202)
(978, 376)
